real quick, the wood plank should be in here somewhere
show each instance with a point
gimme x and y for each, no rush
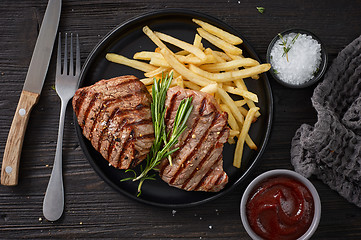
(92, 208)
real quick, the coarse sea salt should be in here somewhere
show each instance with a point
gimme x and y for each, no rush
(301, 61)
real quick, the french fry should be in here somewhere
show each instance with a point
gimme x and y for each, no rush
(240, 103)
(181, 44)
(218, 73)
(232, 122)
(145, 55)
(142, 66)
(211, 88)
(250, 143)
(147, 81)
(179, 81)
(237, 57)
(229, 101)
(191, 59)
(233, 133)
(182, 53)
(231, 65)
(223, 55)
(216, 41)
(243, 111)
(198, 41)
(240, 84)
(241, 92)
(232, 75)
(230, 38)
(154, 38)
(156, 72)
(159, 62)
(242, 137)
(181, 69)
(192, 85)
(217, 57)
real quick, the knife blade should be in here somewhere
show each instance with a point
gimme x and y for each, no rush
(31, 91)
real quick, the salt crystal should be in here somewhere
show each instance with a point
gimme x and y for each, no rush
(210, 226)
(301, 61)
(173, 212)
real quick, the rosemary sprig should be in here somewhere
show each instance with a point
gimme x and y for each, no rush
(286, 48)
(163, 143)
(260, 9)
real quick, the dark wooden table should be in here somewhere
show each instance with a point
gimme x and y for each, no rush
(95, 210)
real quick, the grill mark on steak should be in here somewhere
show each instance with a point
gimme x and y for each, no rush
(189, 135)
(146, 121)
(78, 104)
(205, 158)
(201, 183)
(186, 161)
(201, 145)
(116, 139)
(109, 112)
(170, 108)
(105, 128)
(220, 179)
(99, 119)
(128, 147)
(90, 106)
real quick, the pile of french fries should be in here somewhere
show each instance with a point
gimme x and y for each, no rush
(217, 72)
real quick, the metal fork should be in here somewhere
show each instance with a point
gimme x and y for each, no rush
(66, 83)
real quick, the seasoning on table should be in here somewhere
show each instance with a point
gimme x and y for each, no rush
(296, 58)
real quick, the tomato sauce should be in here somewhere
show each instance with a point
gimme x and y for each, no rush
(280, 208)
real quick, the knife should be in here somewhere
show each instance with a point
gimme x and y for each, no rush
(30, 94)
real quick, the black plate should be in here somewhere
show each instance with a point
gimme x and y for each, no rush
(128, 38)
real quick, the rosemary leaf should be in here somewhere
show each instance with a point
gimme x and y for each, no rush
(162, 145)
(261, 9)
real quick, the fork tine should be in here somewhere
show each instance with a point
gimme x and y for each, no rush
(58, 59)
(71, 66)
(77, 66)
(65, 64)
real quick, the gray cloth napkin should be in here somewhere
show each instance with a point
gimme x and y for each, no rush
(331, 149)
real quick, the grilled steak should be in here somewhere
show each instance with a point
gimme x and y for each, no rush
(198, 164)
(115, 116)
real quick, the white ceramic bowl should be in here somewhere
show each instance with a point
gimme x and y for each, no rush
(287, 173)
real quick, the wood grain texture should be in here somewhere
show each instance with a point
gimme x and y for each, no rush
(14, 143)
(92, 208)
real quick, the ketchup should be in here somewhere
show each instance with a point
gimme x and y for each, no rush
(280, 208)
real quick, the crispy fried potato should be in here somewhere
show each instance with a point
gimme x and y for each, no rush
(216, 41)
(231, 65)
(181, 44)
(142, 66)
(229, 101)
(241, 92)
(218, 73)
(232, 75)
(181, 69)
(211, 88)
(242, 137)
(226, 36)
(156, 72)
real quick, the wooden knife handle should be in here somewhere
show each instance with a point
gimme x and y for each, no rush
(14, 143)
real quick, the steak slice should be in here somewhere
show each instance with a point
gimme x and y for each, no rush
(115, 117)
(198, 164)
